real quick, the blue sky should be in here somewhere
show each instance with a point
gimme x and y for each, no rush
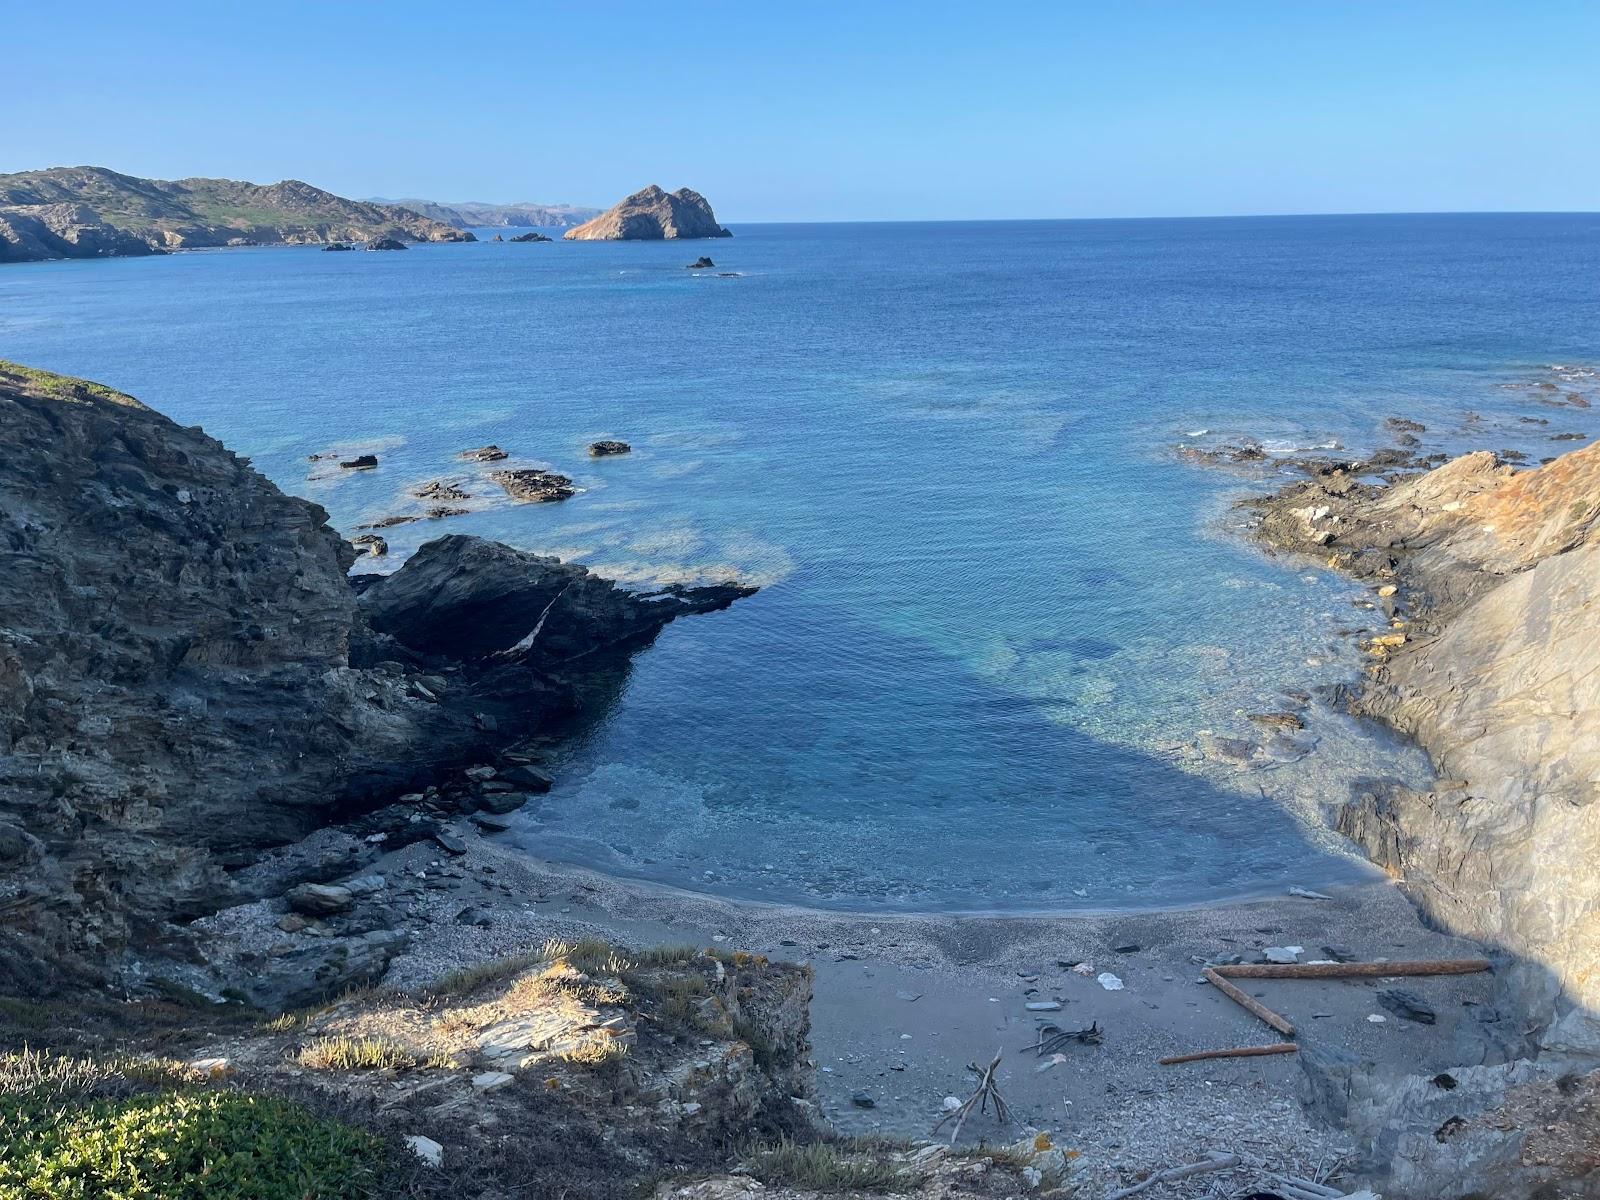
(834, 111)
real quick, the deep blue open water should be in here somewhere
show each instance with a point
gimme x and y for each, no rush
(999, 615)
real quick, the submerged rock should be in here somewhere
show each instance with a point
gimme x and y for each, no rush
(483, 454)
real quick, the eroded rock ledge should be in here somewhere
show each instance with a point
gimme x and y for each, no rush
(1487, 580)
(187, 675)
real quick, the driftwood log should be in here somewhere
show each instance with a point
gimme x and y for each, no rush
(1232, 1052)
(1352, 970)
(1248, 1003)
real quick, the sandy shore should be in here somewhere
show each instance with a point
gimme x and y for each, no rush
(903, 1002)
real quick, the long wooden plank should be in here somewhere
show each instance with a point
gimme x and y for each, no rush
(1248, 1003)
(1232, 1052)
(1445, 966)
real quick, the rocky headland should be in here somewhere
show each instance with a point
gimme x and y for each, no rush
(92, 212)
(651, 215)
(1486, 590)
(188, 677)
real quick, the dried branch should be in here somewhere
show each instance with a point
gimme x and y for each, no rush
(987, 1090)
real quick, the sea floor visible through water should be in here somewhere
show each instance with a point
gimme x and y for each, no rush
(1008, 642)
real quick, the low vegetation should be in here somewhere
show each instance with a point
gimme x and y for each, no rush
(355, 1054)
(72, 1129)
(833, 1166)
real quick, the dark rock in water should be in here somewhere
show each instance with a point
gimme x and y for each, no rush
(361, 462)
(500, 803)
(701, 264)
(497, 238)
(440, 489)
(387, 523)
(371, 543)
(441, 511)
(604, 449)
(386, 243)
(483, 454)
(1402, 425)
(332, 247)
(529, 777)
(533, 486)
(1569, 437)
(476, 600)
(531, 236)
(1408, 1005)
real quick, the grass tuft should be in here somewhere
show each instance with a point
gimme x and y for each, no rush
(827, 1166)
(355, 1054)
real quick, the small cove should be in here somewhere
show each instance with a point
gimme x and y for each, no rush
(998, 614)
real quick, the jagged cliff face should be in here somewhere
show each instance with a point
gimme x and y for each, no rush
(90, 212)
(186, 676)
(1493, 666)
(651, 215)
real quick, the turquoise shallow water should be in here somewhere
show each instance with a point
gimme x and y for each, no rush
(998, 613)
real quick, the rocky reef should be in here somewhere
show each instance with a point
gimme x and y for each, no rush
(188, 676)
(92, 212)
(651, 215)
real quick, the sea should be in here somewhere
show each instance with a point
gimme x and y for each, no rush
(1009, 636)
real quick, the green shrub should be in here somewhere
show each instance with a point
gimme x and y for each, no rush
(179, 1145)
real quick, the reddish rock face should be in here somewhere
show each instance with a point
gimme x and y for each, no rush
(651, 215)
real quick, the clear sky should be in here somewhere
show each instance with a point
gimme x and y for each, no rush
(872, 109)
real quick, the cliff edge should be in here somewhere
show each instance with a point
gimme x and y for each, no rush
(1490, 582)
(187, 675)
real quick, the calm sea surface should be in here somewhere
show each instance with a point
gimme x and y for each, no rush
(1002, 624)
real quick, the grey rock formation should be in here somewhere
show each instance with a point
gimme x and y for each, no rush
(1491, 662)
(651, 215)
(186, 678)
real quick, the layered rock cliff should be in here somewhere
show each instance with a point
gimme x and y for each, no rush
(1490, 658)
(651, 215)
(90, 212)
(187, 676)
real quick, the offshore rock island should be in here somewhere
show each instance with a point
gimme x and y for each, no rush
(91, 212)
(651, 215)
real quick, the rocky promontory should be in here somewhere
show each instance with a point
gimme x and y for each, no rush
(651, 215)
(1489, 581)
(92, 212)
(188, 676)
